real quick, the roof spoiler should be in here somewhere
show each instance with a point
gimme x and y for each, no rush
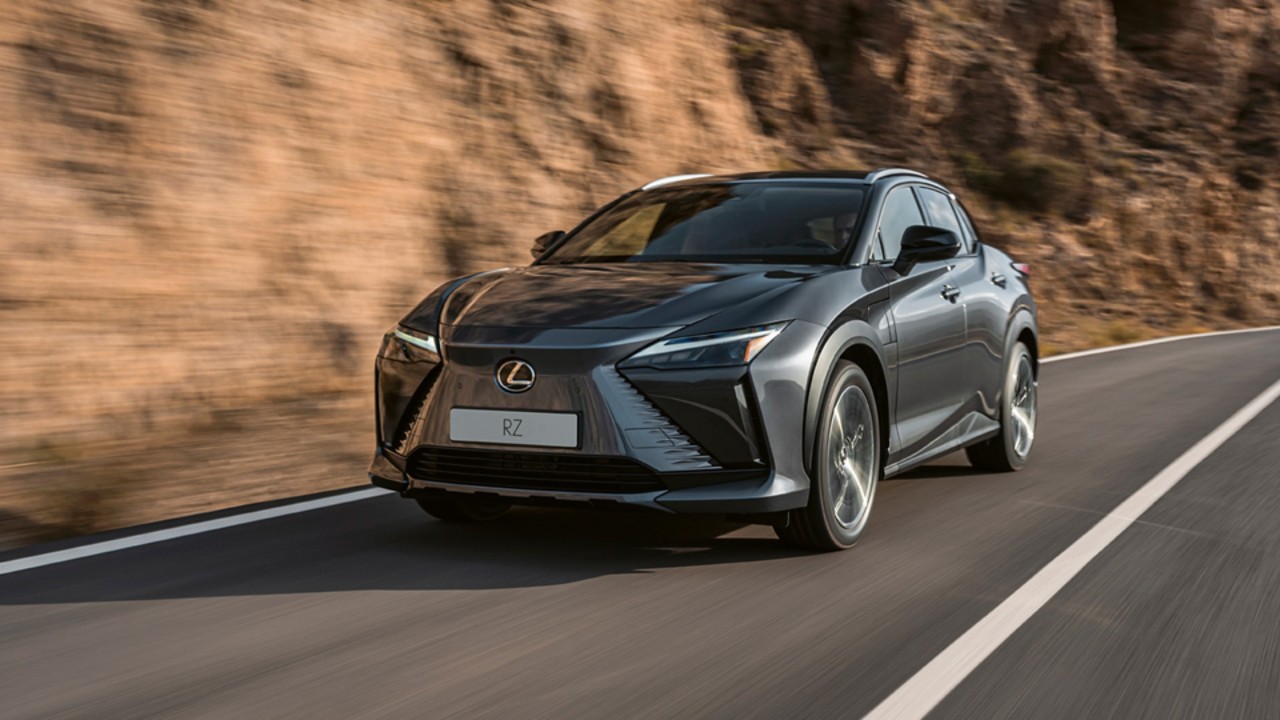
(886, 172)
(674, 179)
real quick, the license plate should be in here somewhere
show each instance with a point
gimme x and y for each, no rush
(510, 427)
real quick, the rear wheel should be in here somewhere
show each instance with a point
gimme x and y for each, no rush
(1010, 449)
(847, 466)
(454, 507)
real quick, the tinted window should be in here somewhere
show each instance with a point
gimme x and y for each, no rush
(900, 212)
(941, 214)
(797, 222)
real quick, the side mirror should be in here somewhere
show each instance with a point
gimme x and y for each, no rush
(545, 241)
(921, 243)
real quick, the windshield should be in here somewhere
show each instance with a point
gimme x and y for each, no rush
(773, 222)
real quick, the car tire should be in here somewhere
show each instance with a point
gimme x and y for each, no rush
(1008, 451)
(456, 508)
(847, 465)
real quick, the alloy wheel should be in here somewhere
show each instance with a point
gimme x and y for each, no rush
(1022, 407)
(851, 458)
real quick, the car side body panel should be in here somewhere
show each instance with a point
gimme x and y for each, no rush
(930, 369)
(998, 308)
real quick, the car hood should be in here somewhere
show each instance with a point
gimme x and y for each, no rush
(631, 295)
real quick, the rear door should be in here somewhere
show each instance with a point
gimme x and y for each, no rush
(930, 328)
(983, 332)
(974, 300)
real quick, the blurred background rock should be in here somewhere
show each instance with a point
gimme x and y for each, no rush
(211, 209)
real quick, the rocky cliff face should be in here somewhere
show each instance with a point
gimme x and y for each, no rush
(213, 207)
(1127, 148)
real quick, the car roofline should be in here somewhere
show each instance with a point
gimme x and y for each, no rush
(674, 179)
(862, 177)
(881, 173)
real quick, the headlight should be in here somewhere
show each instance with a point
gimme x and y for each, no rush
(410, 346)
(726, 349)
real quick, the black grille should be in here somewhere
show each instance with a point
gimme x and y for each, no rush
(533, 471)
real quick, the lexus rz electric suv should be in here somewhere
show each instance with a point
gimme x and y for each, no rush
(764, 346)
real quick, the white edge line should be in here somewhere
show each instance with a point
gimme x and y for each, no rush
(1157, 341)
(58, 556)
(106, 546)
(922, 692)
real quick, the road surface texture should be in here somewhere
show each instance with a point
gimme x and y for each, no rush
(370, 609)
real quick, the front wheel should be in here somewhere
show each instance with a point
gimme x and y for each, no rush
(1010, 449)
(846, 467)
(459, 508)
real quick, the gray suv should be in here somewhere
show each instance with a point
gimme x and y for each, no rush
(766, 346)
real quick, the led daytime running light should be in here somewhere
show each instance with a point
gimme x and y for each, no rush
(756, 340)
(426, 342)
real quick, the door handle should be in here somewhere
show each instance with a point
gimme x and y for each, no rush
(998, 279)
(950, 292)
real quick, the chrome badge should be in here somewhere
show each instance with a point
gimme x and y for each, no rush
(515, 376)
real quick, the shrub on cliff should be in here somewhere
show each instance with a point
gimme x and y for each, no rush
(1028, 180)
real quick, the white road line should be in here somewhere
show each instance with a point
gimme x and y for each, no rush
(924, 690)
(106, 546)
(1157, 341)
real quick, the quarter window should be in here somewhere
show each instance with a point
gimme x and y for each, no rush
(971, 233)
(900, 212)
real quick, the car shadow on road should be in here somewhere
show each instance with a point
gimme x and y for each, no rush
(387, 543)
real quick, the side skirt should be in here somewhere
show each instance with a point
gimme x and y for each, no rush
(974, 427)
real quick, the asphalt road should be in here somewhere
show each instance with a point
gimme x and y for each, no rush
(369, 609)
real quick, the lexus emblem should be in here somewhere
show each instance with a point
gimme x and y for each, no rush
(515, 376)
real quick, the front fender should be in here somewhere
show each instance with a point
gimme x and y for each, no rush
(869, 338)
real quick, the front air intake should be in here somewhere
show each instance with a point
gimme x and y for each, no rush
(413, 413)
(532, 471)
(641, 415)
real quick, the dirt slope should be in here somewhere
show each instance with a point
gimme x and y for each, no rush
(212, 208)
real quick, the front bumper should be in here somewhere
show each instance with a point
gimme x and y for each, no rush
(713, 441)
(746, 495)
